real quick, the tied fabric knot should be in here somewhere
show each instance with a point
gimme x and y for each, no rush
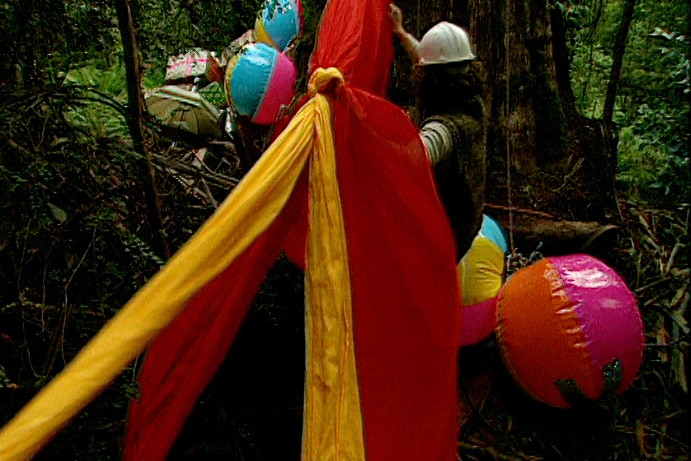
(325, 80)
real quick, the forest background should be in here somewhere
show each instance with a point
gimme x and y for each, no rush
(80, 235)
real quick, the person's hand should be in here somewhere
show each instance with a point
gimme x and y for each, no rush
(410, 43)
(397, 19)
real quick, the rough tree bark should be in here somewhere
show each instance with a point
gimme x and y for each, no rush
(542, 154)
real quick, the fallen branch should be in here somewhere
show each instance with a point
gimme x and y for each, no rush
(530, 229)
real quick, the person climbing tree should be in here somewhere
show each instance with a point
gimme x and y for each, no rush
(449, 100)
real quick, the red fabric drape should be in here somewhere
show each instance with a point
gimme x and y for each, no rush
(405, 295)
(182, 360)
(356, 37)
(406, 300)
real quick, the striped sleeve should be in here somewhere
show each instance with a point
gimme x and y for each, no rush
(438, 141)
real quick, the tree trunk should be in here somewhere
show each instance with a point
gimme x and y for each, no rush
(135, 110)
(617, 61)
(542, 154)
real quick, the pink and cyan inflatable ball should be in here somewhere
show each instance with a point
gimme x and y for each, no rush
(259, 82)
(570, 328)
(279, 23)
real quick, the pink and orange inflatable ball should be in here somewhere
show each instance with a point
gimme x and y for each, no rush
(259, 82)
(569, 328)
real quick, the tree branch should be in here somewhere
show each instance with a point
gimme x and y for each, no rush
(134, 116)
(617, 62)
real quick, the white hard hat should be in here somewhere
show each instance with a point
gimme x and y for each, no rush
(445, 43)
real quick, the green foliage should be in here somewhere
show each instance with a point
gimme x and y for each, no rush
(653, 164)
(652, 105)
(169, 28)
(70, 254)
(98, 111)
(93, 29)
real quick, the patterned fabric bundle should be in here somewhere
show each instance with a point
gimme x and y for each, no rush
(195, 63)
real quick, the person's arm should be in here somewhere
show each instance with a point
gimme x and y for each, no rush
(409, 42)
(438, 141)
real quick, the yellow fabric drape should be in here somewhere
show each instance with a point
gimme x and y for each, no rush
(333, 419)
(245, 215)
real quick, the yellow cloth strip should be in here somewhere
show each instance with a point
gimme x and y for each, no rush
(333, 420)
(246, 214)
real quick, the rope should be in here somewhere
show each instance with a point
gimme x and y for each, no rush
(507, 72)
